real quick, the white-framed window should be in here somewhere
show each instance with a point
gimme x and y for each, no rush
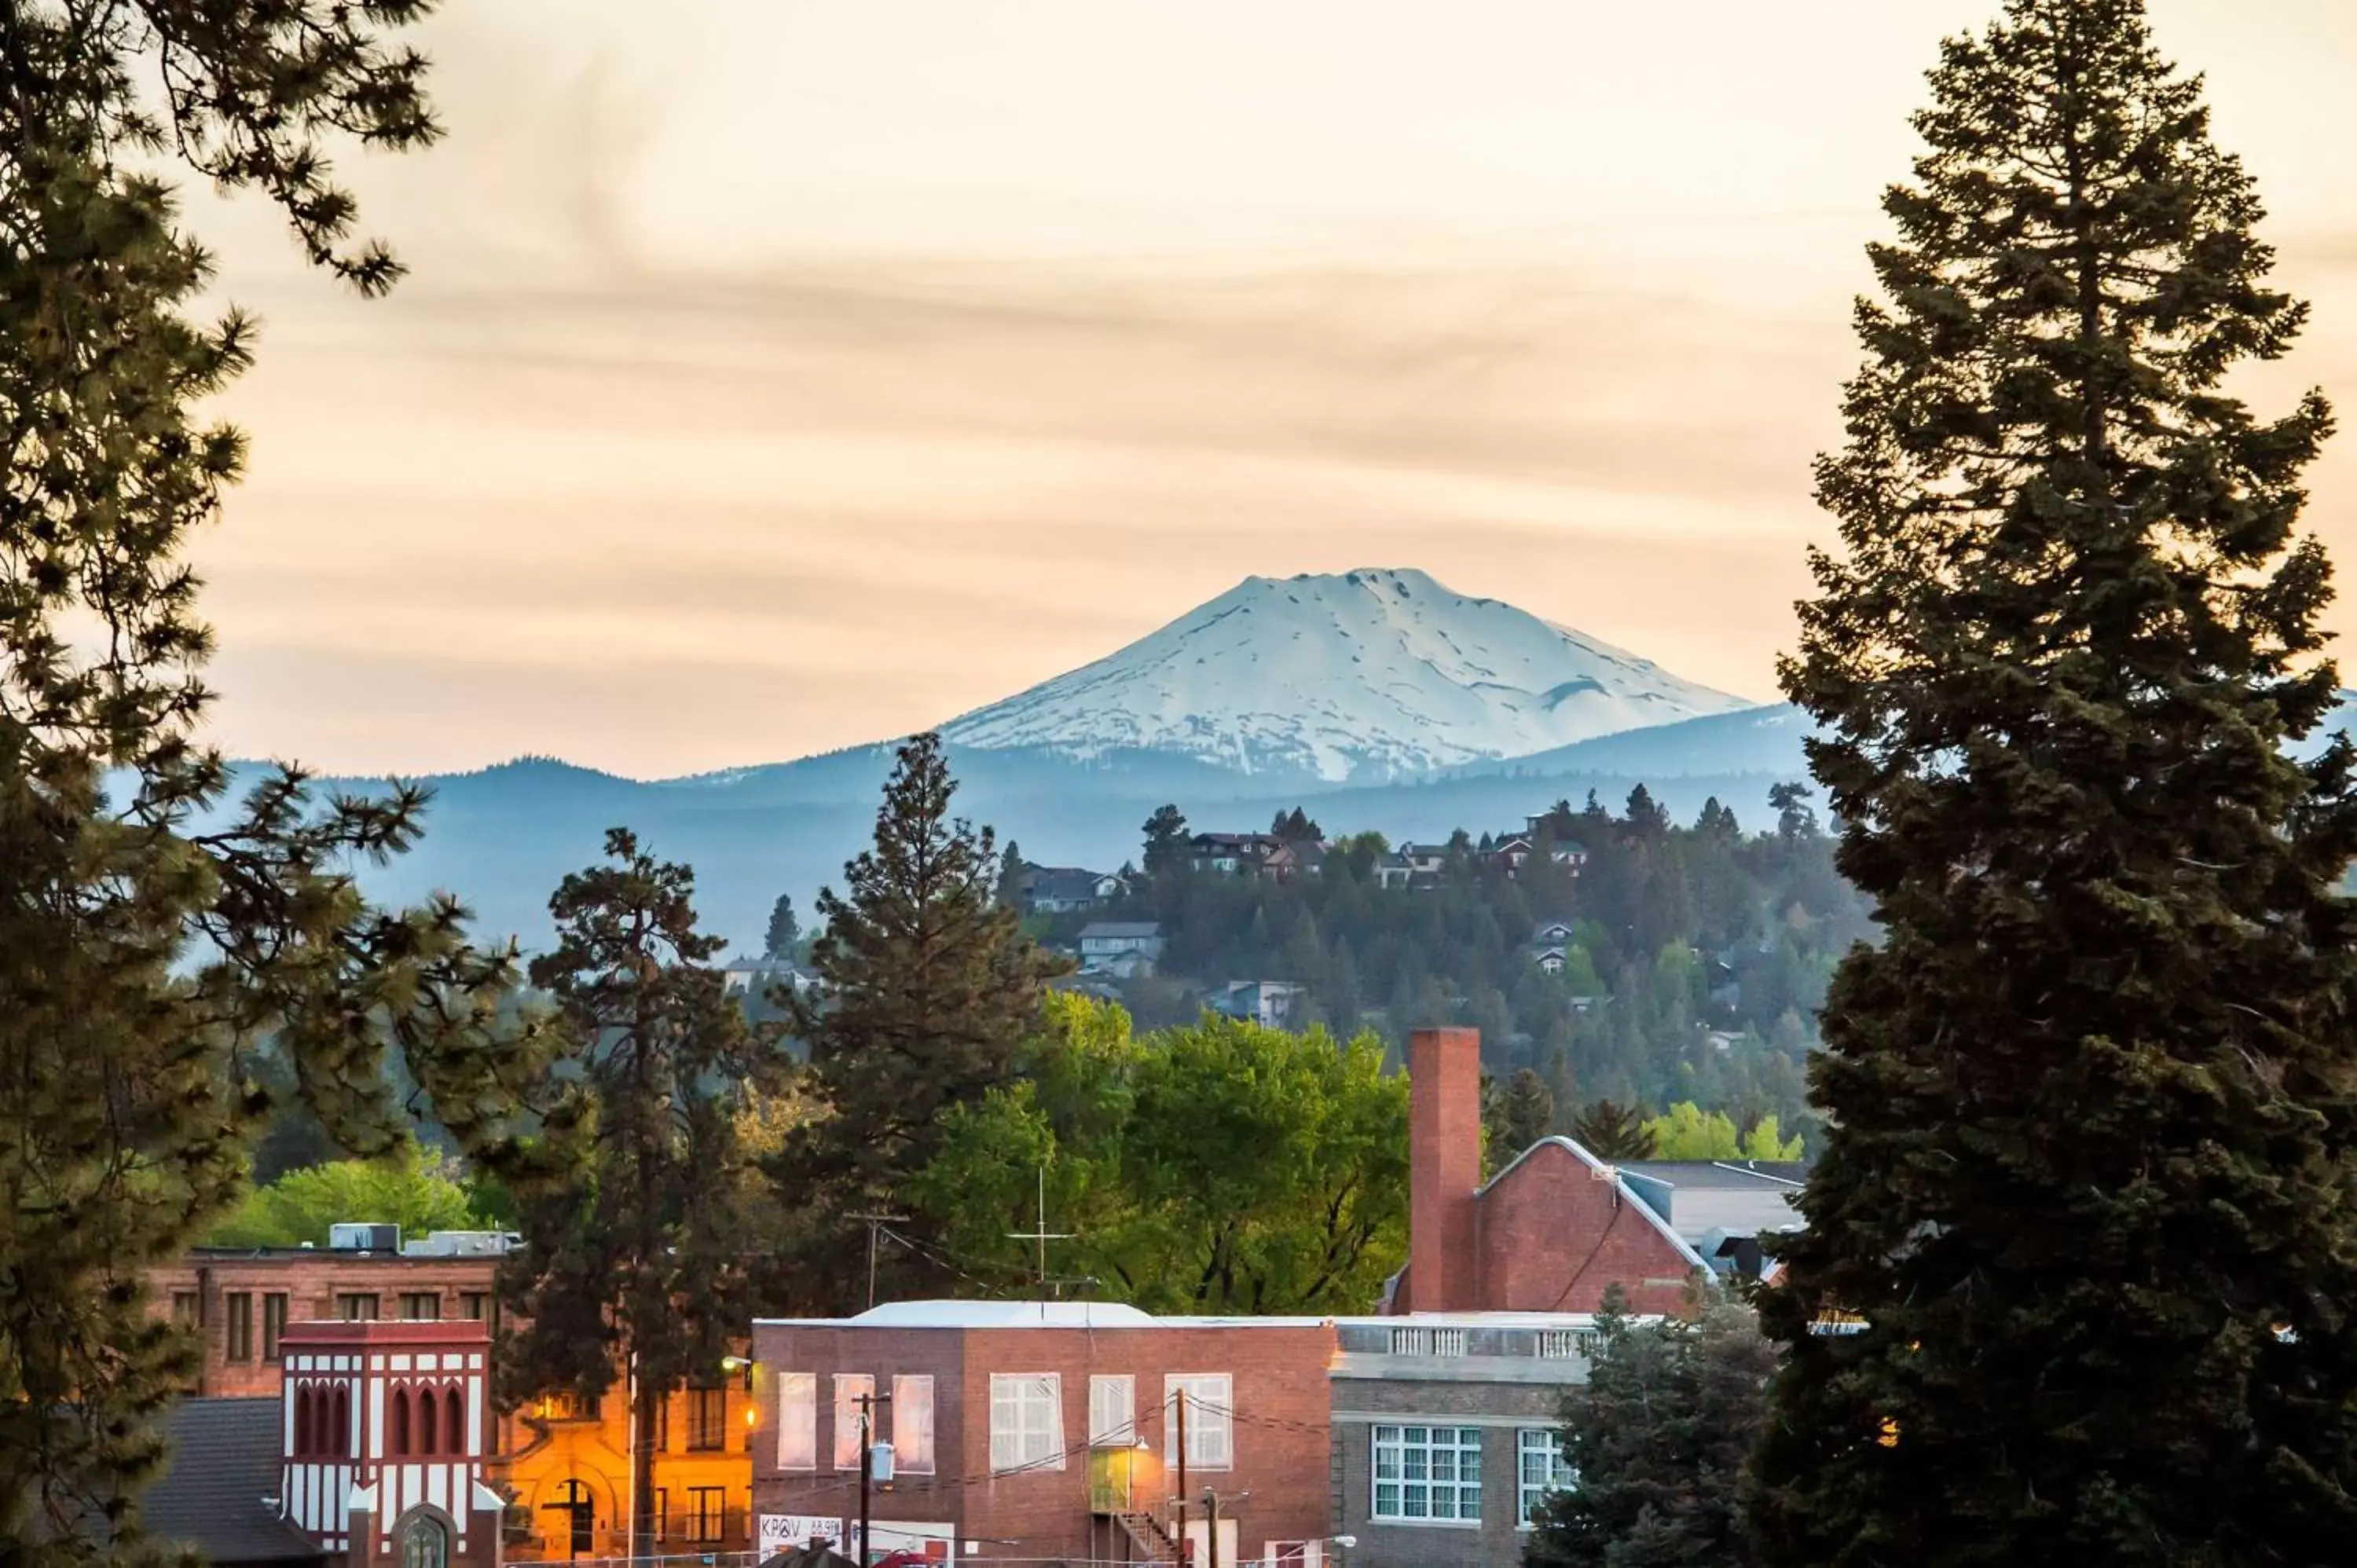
(850, 1388)
(1112, 1410)
(1427, 1473)
(912, 1425)
(1541, 1469)
(797, 1421)
(1026, 1421)
(1211, 1422)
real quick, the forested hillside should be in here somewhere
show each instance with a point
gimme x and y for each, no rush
(1698, 957)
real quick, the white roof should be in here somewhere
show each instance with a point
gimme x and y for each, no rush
(1027, 1314)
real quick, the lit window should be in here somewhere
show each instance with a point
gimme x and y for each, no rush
(1210, 1420)
(1112, 1412)
(1427, 1473)
(1026, 1421)
(1543, 1470)
(708, 1419)
(708, 1514)
(797, 1421)
(912, 1425)
(850, 1389)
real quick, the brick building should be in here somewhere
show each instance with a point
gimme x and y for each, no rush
(1546, 1234)
(1051, 1430)
(243, 1299)
(565, 1462)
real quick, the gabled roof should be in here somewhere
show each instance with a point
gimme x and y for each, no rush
(1120, 930)
(1669, 1233)
(226, 1457)
(1063, 881)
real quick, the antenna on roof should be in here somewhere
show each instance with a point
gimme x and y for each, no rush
(1042, 1234)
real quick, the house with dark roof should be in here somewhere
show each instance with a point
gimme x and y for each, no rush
(1062, 890)
(1121, 947)
(220, 1492)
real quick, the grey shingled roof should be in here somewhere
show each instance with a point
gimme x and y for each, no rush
(225, 1459)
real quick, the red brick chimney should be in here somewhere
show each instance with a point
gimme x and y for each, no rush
(1444, 1162)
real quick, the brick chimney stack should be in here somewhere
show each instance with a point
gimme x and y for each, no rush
(1444, 1136)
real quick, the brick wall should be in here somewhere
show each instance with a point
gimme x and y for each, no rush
(1444, 1168)
(1553, 1237)
(310, 1281)
(1282, 1430)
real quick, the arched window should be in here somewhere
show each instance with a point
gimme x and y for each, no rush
(424, 1544)
(400, 1438)
(454, 1421)
(429, 1421)
(307, 1421)
(339, 1426)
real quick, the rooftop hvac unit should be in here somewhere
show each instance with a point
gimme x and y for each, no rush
(365, 1238)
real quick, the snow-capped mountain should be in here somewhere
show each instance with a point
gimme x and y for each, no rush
(1367, 675)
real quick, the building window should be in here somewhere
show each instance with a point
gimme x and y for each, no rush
(1210, 1420)
(421, 1306)
(912, 1425)
(358, 1307)
(567, 1405)
(1427, 1473)
(188, 1308)
(1026, 1421)
(850, 1388)
(1112, 1412)
(797, 1421)
(454, 1412)
(708, 1513)
(1543, 1470)
(241, 1326)
(424, 1544)
(273, 1322)
(708, 1419)
(662, 1513)
(475, 1305)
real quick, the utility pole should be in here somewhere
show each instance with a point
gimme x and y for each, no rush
(868, 1403)
(1211, 1530)
(1042, 1234)
(875, 1223)
(1181, 1410)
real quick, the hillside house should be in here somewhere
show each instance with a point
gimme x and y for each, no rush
(1121, 947)
(1049, 1431)
(1411, 865)
(761, 977)
(1257, 854)
(1062, 889)
(1273, 1004)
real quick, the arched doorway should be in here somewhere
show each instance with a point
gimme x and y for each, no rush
(424, 1544)
(576, 1520)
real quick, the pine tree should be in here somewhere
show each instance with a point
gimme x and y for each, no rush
(785, 931)
(173, 968)
(927, 989)
(634, 1263)
(1612, 1132)
(1166, 841)
(1656, 1438)
(2087, 1171)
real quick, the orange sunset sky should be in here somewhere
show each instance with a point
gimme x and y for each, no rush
(777, 375)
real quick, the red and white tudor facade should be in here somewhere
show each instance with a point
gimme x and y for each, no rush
(386, 1426)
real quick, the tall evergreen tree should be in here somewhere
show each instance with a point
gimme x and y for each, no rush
(785, 932)
(927, 989)
(1612, 1132)
(1166, 841)
(156, 943)
(634, 1266)
(2087, 1170)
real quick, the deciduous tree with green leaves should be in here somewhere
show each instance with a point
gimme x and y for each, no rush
(156, 938)
(1222, 1167)
(415, 1190)
(2087, 1174)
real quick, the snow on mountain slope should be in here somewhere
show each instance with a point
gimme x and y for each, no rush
(1367, 675)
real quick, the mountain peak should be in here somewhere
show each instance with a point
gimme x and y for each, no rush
(1374, 673)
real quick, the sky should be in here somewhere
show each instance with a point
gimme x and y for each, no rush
(780, 375)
